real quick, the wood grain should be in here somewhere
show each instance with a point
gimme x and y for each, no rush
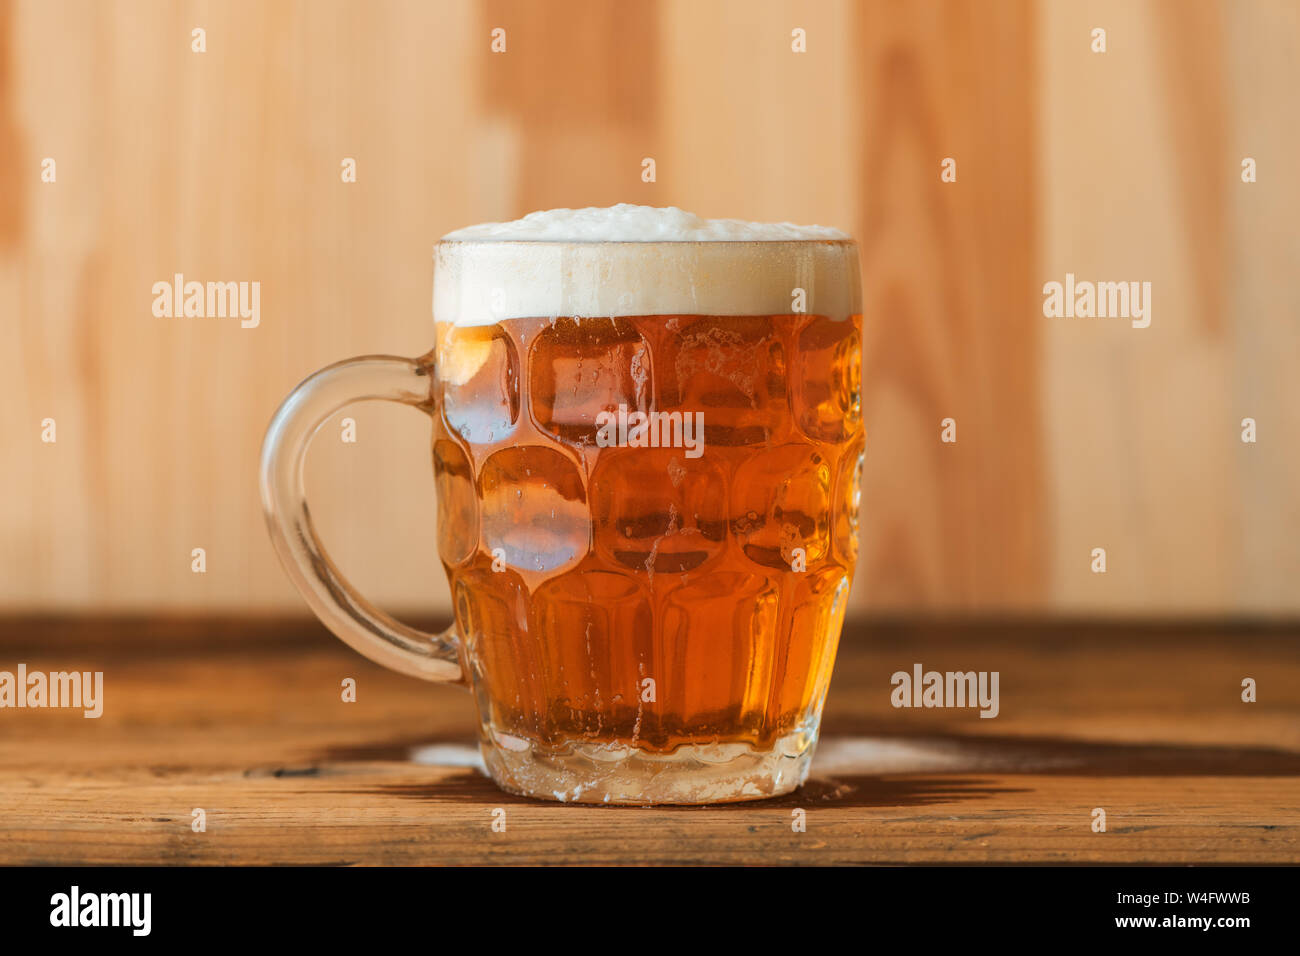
(243, 719)
(953, 328)
(1140, 149)
(225, 166)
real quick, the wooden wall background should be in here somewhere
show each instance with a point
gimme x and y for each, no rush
(1071, 434)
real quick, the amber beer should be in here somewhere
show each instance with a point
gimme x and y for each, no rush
(646, 603)
(634, 600)
(648, 461)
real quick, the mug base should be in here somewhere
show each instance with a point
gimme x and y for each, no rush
(611, 774)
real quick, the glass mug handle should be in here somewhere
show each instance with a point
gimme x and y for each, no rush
(337, 603)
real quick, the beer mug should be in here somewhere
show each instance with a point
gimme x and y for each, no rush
(647, 451)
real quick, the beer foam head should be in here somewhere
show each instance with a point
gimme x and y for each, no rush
(628, 223)
(639, 260)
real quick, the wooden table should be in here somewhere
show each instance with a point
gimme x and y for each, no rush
(244, 720)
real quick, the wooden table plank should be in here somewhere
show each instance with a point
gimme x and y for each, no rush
(244, 719)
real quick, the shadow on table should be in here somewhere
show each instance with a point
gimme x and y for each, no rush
(472, 787)
(872, 771)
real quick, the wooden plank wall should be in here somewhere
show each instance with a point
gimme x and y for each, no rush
(1141, 155)
(954, 329)
(1071, 434)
